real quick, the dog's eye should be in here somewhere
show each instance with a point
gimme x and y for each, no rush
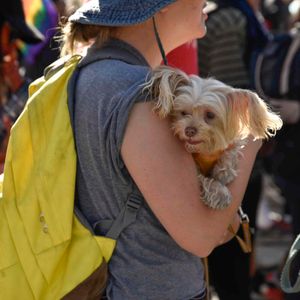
(184, 113)
(209, 115)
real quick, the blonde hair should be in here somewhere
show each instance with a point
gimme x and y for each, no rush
(75, 37)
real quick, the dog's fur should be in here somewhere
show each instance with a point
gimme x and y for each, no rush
(211, 118)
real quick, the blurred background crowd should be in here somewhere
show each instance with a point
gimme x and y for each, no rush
(251, 44)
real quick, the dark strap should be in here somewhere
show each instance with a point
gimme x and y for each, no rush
(71, 98)
(126, 217)
(128, 214)
(159, 43)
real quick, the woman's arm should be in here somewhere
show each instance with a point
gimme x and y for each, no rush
(166, 175)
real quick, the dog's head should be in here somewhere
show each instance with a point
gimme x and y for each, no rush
(207, 114)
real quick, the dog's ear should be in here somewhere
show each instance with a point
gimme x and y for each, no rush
(254, 116)
(162, 86)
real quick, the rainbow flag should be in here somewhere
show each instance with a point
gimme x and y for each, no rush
(43, 15)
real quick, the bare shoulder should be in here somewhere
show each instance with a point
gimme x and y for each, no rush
(145, 125)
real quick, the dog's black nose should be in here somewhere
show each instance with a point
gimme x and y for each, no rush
(190, 131)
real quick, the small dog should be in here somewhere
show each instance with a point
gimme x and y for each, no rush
(213, 120)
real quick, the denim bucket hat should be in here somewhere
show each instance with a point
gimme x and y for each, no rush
(117, 12)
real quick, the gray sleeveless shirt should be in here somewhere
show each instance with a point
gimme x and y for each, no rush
(147, 263)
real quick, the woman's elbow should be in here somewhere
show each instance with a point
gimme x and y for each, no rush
(201, 251)
(201, 248)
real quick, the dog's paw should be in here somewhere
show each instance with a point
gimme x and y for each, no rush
(223, 175)
(214, 193)
(225, 169)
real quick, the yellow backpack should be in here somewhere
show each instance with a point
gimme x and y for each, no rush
(45, 250)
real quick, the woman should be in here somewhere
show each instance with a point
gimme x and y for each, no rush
(124, 149)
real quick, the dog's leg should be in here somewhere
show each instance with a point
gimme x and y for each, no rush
(214, 193)
(225, 169)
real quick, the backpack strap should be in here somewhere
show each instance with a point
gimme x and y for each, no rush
(128, 213)
(126, 216)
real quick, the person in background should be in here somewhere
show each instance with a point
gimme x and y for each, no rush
(286, 162)
(185, 58)
(125, 151)
(62, 8)
(13, 85)
(285, 157)
(235, 36)
(277, 14)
